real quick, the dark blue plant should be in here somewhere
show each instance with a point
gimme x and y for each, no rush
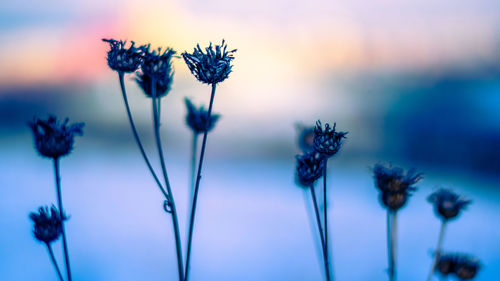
(309, 168)
(47, 224)
(123, 59)
(157, 65)
(447, 204)
(327, 141)
(395, 185)
(211, 67)
(196, 118)
(54, 139)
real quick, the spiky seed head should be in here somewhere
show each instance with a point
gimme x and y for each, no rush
(121, 58)
(212, 66)
(47, 224)
(196, 118)
(309, 168)
(327, 141)
(447, 204)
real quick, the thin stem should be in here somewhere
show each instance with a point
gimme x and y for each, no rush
(54, 262)
(197, 184)
(61, 213)
(438, 250)
(321, 233)
(325, 216)
(169, 195)
(391, 242)
(194, 149)
(136, 135)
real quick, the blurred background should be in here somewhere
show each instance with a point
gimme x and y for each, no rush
(415, 83)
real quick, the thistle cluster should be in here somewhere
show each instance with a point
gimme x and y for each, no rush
(447, 204)
(395, 185)
(212, 66)
(464, 267)
(317, 148)
(197, 118)
(123, 59)
(47, 224)
(54, 139)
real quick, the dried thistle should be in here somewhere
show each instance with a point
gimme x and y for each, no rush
(196, 118)
(211, 67)
(123, 59)
(327, 141)
(54, 139)
(447, 204)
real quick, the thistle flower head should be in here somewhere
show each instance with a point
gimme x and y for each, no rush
(47, 224)
(196, 119)
(395, 179)
(123, 59)
(157, 65)
(327, 141)
(447, 204)
(54, 139)
(211, 67)
(309, 168)
(395, 185)
(465, 267)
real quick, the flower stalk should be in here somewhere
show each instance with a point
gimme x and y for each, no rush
(197, 184)
(54, 262)
(321, 233)
(61, 213)
(169, 196)
(391, 242)
(121, 75)
(438, 250)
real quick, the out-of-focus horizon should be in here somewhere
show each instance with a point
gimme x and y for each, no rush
(415, 83)
(404, 78)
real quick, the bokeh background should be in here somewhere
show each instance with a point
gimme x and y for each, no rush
(416, 83)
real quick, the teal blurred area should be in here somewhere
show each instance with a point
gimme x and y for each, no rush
(415, 83)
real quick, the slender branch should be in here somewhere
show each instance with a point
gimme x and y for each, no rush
(321, 233)
(54, 262)
(197, 184)
(61, 213)
(169, 196)
(194, 149)
(438, 250)
(136, 135)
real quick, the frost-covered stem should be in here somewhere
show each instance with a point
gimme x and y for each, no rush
(136, 135)
(438, 250)
(61, 214)
(169, 197)
(197, 184)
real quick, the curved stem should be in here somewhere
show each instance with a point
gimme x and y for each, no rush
(136, 135)
(321, 234)
(197, 185)
(61, 213)
(169, 195)
(194, 148)
(54, 262)
(438, 250)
